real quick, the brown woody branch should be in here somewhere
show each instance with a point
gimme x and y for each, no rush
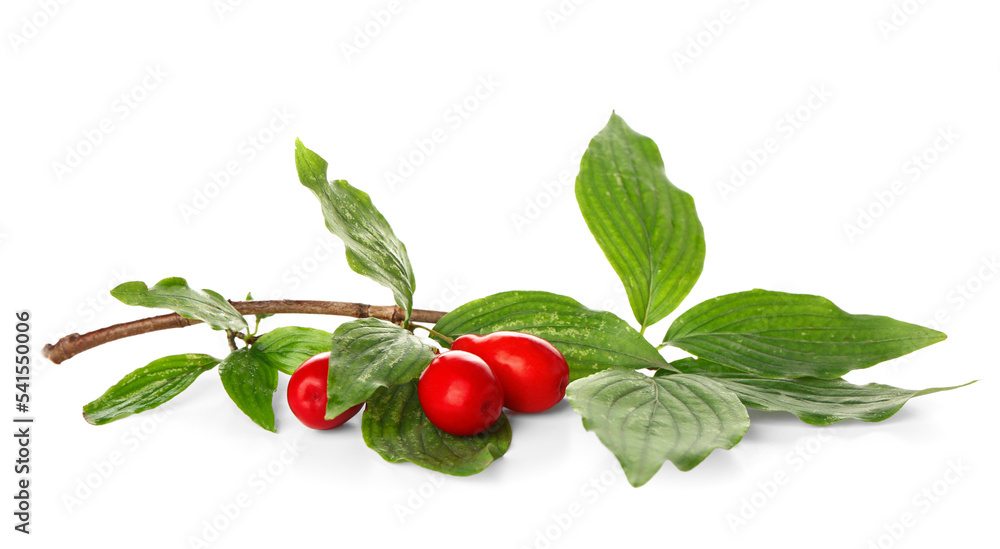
(74, 344)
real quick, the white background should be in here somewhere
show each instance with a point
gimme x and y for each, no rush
(118, 215)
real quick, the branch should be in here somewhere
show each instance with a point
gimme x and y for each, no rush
(74, 344)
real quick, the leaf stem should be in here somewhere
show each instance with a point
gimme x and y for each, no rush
(231, 336)
(249, 339)
(74, 344)
(439, 335)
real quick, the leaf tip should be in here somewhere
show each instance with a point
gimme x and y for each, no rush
(615, 119)
(638, 476)
(311, 166)
(89, 418)
(637, 482)
(120, 291)
(930, 336)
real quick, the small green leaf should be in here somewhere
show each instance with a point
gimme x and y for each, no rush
(175, 294)
(251, 382)
(814, 401)
(590, 340)
(287, 348)
(648, 228)
(372, 248)
(646, 420)
(148, 387)
(368, 354)
(779, 335)
(394, 425)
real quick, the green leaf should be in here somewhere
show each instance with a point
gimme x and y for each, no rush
(251, 382)
(287, 348)
(814, 401)
(175, 294)
(368, 354)
(648, 228)
(779, 335)
(394, 425)
(590, 340)
(372, 248)
(148, 387)
(646, 420)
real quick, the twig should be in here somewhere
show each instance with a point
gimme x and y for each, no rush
(74, 344)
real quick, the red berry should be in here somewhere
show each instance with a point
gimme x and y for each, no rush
(533, 373)
(460, 394)
(307, 394)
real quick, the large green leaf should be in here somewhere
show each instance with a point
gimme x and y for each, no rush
(394, 425)
(148, 387)
(368, 354)
(287, 348)
(814, 401)
(647, 420)
(250, 380)
(372, 248)
(175, 294)
(590, 340)
(774, 334)
(648, 228)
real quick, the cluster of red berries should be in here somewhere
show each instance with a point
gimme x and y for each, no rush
(463, 390)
